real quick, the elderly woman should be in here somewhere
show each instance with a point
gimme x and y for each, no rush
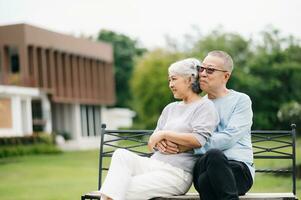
(188, 122)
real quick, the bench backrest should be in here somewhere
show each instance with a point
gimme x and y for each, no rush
(266, 145)
(276, 145)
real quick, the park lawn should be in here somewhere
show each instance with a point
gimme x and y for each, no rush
(68, 175)
(48, 177)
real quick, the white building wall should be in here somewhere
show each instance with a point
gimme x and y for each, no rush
(21, 109)
(116, 118)
(21, 117)
(15, 114)
(75, 122)
(63, 118)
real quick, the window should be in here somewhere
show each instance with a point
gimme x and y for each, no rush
(37, 115)
(14, 59)
(90, 119)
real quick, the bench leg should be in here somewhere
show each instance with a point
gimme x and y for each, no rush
(88, 197)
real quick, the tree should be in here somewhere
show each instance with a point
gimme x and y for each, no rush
(290, 113)
(149, 86)
(237, 46)
(268, 71)
(277, 68)
(125, 52)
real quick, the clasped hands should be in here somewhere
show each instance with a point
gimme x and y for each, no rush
(158, 141)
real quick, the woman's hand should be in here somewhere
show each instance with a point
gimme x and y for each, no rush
(154, 139)
(170, 142)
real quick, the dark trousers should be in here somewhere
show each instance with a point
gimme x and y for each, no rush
(215, 177)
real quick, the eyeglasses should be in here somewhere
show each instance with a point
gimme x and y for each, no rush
(209, 70)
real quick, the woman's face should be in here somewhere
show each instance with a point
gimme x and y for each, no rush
(179, 86)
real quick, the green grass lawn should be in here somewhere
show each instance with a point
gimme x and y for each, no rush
(68, 175)
(48, 177)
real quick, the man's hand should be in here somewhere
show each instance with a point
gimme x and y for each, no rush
(184, 148)
(168, 147)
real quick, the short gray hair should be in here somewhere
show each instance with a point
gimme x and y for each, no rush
(187, 67)
(228, 62)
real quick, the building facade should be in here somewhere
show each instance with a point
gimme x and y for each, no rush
(53, 82)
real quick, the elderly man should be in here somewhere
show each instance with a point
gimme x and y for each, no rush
(225, 167)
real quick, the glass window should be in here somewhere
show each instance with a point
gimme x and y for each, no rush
(37, 115)
(90, 119)
(14, 59)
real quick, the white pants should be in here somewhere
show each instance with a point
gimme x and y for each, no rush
(134, 177)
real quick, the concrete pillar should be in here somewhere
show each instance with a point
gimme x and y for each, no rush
(17, 115)
(46, 109)
(29, 115)
(77, 128)
(25, 116)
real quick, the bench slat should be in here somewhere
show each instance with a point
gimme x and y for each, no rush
(195, 196)
(248, 196)
(263, 196)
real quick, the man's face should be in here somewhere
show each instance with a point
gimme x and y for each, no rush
(213, 75)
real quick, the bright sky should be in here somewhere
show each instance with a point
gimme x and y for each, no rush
(150, 21)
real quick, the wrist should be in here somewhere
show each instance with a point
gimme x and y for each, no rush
(162, 135)
(166, 135)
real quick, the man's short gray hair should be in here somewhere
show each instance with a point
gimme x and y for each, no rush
(228, 62)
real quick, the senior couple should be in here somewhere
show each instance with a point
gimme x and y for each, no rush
(204, 140)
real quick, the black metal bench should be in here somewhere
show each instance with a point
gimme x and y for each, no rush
(266, 145)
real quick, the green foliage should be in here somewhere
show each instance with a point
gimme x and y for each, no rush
(277, 68)
(290, 113)
(125, 52)
(66, 135)
(234, 44)
(268, 70)
(38, 143)
(149, 86)
(21, 150)
(37, 138)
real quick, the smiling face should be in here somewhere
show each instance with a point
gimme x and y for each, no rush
(180, 86)
(210, 83)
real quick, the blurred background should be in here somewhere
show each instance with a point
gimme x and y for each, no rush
(68, 66)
